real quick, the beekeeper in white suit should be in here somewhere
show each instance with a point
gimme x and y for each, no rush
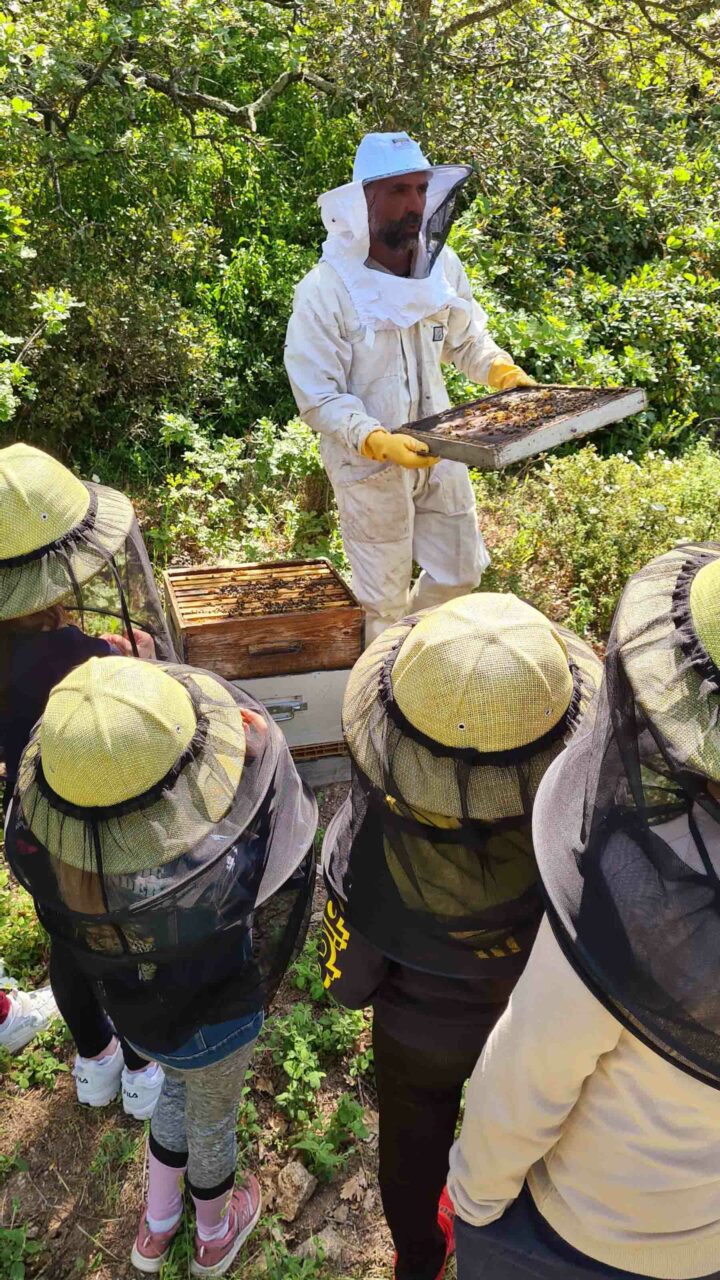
(372, 323)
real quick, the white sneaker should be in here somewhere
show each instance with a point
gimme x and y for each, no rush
(30, 1012)
(141, 1090)
(98, 1079)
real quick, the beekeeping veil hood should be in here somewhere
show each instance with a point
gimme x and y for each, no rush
(166, 838)
(382, 300)
(626, 829)
(65, 541)
(451, 718)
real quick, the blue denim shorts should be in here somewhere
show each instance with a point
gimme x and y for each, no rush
(210, 1044)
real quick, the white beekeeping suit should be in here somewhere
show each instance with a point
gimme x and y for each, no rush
(364, 350)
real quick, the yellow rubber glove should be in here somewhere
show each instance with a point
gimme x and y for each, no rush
(503, 375)
(404, 451)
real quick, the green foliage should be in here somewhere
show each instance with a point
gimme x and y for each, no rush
(14, 1163)
(564, 533)
(291, 1040)
(321, 1155)
(16, 1249)
(306, 974)
(152, 229)
(361, 1063)
(137, 183)
(250, 303)
(117, 1149)
(568, 535)
(327, 1145)
(39, 1065)
(327, 1151)
(300, 1041)
(655, 329)
(23, 942)
(249, 1129)
(304, 1042)
(279, 1263)
(173, 227)
(53, 307)
(248, 499)
(177, 1265)
(338, 1030)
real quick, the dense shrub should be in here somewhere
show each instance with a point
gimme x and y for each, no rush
(564, 533)
(253, 498)
(177, 231)
(568, 534)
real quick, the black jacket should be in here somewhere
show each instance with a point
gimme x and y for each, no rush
(418, 1008)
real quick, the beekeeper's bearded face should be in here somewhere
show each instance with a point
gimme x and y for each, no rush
(396, 208)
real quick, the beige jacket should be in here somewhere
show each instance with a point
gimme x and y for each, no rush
(620, 1149)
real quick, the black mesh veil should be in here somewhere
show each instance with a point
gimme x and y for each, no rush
(99, 571)
(431, 855)
(627, 831)
(445, 182)
(446, 185)
(184, 904)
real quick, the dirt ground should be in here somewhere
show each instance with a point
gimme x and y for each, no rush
(82, 1190)
(88, 1227)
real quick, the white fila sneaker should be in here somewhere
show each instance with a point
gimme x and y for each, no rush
(98, 1079)
(141, 1090)
(30, 1012)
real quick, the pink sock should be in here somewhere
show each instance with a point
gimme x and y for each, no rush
(211, 1216)
(164, 1202)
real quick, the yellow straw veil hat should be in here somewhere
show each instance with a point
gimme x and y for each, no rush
(55, 530)
(668, 633)
(152, 752)
(486, 681)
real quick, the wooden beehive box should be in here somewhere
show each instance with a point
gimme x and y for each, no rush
(248, 620)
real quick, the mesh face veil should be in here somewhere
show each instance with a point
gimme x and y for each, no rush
(445, 182)
(66, 542)
(438, 222)
(184, 889)
(451, 719)
(382, 300)
(627, 823)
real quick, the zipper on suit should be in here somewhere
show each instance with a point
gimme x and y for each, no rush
(405, 336)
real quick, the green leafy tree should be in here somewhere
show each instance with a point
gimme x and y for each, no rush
(162, 162)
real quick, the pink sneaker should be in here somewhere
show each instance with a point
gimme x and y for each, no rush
(217, 1256)
(151, 1248)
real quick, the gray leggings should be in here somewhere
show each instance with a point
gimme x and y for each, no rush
(196, 1114)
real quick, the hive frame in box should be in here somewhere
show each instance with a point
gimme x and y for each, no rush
(307, 703)
(614, 404)
(297, 650)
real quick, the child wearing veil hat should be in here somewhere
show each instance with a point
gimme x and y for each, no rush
(75, 582)
(591, 1140)
(451, 718)
(162, 829)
